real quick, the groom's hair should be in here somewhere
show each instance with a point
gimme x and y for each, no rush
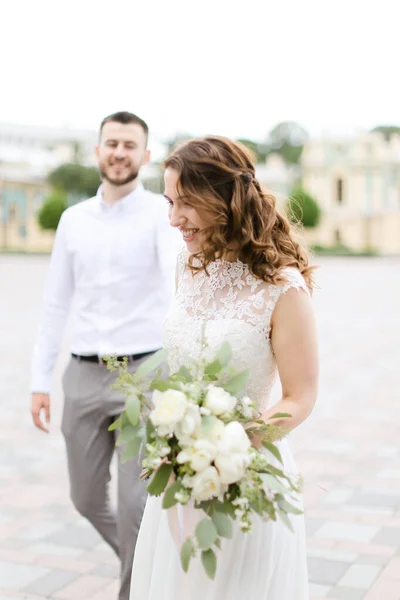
(126, 118)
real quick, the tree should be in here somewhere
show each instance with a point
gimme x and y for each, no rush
(260, 150)
(51, 211)
(302, 208)
(287, 139)
(75, 179)
(387, 130)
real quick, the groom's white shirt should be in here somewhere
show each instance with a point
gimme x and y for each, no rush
(112, 268)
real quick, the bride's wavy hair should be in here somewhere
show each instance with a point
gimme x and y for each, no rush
(217, 178)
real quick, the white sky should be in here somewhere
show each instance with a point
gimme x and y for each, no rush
(211, 66)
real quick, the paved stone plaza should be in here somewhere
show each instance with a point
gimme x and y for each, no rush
(348, 451)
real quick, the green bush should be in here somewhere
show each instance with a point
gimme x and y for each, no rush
(302, 208)
(51, 210)
(76, 179)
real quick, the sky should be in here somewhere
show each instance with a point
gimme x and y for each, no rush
(208, 67)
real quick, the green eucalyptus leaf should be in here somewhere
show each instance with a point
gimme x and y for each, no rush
(289, 508)
(223, 524)
(169, 499)
(208, 422)
(185, 374)
(285, 519)
(187, 551)
(213, 368)
(273, 449)
(151, 364)
(209, 561)
(150, 430)
(224, 355)
(206, 533)
(279, 415)
(237, 383)
(128, 434)
(132, 409)
(132, 449)
(116, 424)
(270, 482)
(159, 480)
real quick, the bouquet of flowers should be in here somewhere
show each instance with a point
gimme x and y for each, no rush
(194, 433)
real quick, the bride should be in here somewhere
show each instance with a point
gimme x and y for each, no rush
(247, 278)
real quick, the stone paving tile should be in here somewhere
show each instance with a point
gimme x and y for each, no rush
(337, 530)
(389, 536)
(17, 576)
(50, 583)
(318, 591)
(48, 548)
(80, 537)
(348, 451)
(111, 571)
(343, 593)
(360, 576)
(326, 572)
(82, 588)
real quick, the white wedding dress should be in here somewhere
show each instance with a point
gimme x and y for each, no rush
(270, 562)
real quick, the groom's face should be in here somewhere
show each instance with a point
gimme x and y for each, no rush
(121, 152)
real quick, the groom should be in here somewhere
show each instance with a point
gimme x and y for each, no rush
(112, 267)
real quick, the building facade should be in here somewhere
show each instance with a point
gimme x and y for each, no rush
(27, 155)
(356, 182)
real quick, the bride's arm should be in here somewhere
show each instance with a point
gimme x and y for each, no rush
(294, 342)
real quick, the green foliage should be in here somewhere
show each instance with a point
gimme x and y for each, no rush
(287, 139)
(341, 250)
(160, 479)
(187, 551)
(260, 151)
(51, 210)
(209, 561)
(302, 208)
(206, 534)
(75, 179)
(387, 130)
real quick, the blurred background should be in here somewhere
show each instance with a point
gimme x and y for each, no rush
(312, 89)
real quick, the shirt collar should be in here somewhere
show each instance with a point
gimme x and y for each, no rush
(123, 202)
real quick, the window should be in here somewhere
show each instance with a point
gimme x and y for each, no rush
(339, 191)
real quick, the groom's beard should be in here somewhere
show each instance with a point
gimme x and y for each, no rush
(131, 176)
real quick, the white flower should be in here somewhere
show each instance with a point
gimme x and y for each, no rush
(233, 453)
(200, 455)
(231, 467)
(187, 426)
(234, 439)
(219, 401)
(206, 485)
(170, 408)
(205, 411)
(247, 407)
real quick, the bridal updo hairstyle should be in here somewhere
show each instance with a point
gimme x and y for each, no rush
(216, 176)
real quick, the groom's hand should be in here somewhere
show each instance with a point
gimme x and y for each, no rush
(40, 402)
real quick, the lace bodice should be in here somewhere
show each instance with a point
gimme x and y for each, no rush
(233, 306)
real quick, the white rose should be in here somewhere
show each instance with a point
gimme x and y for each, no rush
(219, 401)
(200, 455)
(188, 425)
(234, 439)
(206, 485)
(170, 408)
(231, 467)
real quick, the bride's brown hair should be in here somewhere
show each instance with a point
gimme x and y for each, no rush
(217, 176)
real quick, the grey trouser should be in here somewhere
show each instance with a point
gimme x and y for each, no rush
(90, 407)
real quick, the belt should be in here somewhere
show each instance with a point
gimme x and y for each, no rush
(94, 358)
